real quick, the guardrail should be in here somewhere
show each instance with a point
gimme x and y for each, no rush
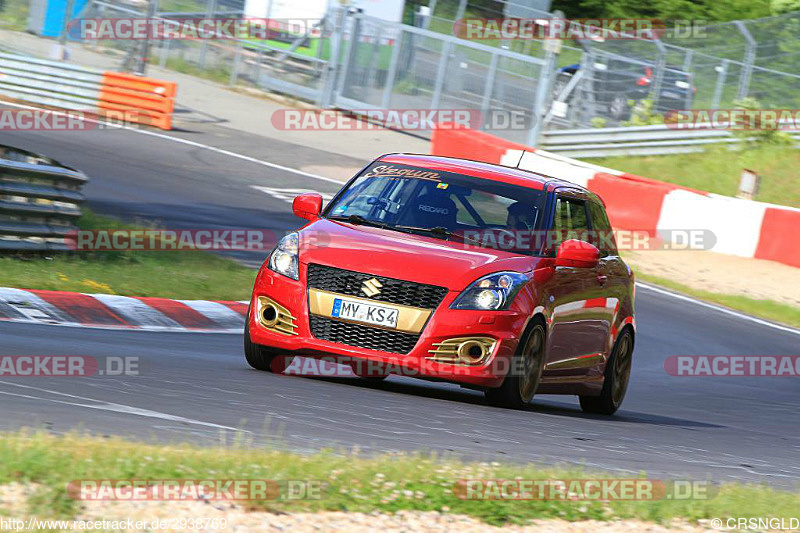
(635, 140)
(64, 86)
(39, 201)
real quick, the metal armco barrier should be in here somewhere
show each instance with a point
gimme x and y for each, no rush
(53, 84)
(636, 140)
(39, 202)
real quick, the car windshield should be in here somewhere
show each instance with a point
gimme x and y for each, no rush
(440, 204)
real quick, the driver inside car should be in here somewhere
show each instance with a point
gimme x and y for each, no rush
(521, 216)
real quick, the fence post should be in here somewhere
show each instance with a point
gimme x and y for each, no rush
(165, 45)
(687, 66)
(392, 74)
(211, 7)
(237, 57)
(546, 75)
(440, 75)
(350, 56)
(722, 71)
(432, 7)
(658, 79)
(488, 87)
(462, 9)
(326, 100)
(749, 59)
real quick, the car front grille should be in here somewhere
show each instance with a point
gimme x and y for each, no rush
(393, 291)
(367, 337)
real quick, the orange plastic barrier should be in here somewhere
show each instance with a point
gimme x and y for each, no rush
(778, 239)
(143, 100)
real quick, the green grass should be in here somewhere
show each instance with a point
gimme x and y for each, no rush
(387, 483)
(13, 14)
(717, 170)
(215, 73)
(167, 274)
(767, 309)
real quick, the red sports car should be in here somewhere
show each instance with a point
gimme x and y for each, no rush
(496, 278)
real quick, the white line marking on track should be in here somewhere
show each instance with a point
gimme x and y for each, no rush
(109, 406)
(192, 143)
(721, 309)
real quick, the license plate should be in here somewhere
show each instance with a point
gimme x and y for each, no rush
(377, 315)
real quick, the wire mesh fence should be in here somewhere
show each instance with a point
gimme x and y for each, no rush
(356, 62)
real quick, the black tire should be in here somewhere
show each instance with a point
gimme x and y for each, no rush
(261, 357)
(518, 388)
(615, 383)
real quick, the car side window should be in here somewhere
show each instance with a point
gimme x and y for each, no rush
(570, 221)
(602, 235)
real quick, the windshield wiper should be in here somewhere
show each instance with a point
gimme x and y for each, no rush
(438, 231)
(359, 221)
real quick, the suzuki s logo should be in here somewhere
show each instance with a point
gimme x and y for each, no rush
(371, 287)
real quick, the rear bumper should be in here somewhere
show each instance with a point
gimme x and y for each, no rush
(444, 324)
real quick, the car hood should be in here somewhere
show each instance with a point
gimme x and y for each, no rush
(392, 254)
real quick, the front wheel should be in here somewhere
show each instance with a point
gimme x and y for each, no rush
(261, 357)
(523, 378)
(615, 384)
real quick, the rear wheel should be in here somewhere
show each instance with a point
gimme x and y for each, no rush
(617, 376)
(523, 378)
(261, 357)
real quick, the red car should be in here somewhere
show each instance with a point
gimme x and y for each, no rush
(492, 277)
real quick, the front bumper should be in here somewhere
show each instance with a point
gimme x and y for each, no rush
(443, 324)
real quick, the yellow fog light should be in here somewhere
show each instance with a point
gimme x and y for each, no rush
(463, 350)
(274, 317)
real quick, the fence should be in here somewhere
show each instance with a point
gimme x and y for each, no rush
(362, 63)
(39, 201)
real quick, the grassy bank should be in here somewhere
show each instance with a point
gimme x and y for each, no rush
(767, 309)
(387, 483)
(718, 171)
(181, 275)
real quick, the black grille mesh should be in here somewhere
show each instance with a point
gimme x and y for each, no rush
(367, 337)
(393, 291)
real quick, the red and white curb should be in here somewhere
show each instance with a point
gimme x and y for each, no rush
(742, 228)
(120, 312)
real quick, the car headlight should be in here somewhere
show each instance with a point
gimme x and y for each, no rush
(493, 292)
(284, 258)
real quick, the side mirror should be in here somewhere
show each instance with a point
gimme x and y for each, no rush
(579, 254)
(308, 206)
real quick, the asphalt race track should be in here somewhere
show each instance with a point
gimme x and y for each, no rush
(198, 386)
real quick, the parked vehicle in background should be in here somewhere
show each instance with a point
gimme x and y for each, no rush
(617, 83)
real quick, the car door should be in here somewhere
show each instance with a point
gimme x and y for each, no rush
(575, 336)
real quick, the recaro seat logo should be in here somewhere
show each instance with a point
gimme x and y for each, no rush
(371, 287)
(433, 209)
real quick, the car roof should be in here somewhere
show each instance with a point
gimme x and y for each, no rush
(477, 169)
